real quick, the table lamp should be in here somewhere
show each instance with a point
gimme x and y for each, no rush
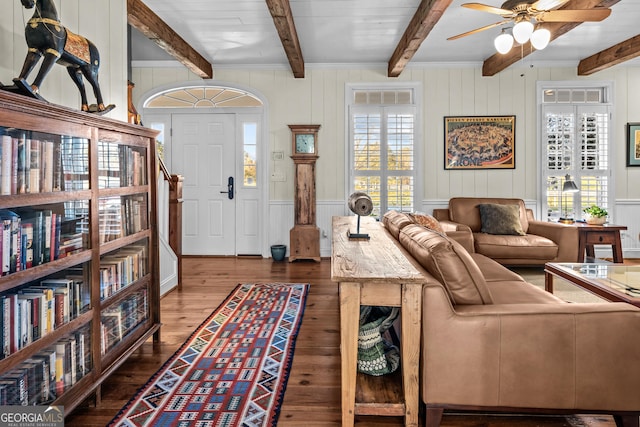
(568, 187)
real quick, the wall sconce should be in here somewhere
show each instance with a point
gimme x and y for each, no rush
(568, 187)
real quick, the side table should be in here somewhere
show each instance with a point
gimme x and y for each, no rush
(375, 272)
(605, 234)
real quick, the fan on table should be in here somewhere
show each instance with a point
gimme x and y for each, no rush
(360, 204)
(525, 14)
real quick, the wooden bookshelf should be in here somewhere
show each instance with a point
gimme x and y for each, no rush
(79, 284)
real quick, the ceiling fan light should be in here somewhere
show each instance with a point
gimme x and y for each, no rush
(540, 38)
(522, 31)
(503, 43)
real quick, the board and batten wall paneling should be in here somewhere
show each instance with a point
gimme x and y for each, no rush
(446, 91)
(104, 22)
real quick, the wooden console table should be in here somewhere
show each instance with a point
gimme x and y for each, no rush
(606, 234)
(375, 272)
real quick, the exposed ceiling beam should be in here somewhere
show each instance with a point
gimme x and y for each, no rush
(428, 14)
(148, 23)
(614, 55)
(283, 19)
(498, 62)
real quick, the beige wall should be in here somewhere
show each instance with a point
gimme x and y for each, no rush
(104, 22)
(319, 99)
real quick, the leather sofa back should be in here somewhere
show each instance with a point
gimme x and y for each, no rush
(447, 261)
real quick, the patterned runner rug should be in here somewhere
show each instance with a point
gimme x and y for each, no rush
(233, 370)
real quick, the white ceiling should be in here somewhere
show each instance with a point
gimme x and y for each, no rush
(232, 33)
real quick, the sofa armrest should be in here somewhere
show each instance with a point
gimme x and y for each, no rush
(565, 236)
(460, 233)
(441, 214)
(556, 356)
(449, 226)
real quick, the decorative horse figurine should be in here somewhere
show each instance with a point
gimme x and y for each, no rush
(47, 37)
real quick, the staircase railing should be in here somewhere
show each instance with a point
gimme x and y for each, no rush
(171, 228)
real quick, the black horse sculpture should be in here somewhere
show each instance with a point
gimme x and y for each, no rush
(47, 37)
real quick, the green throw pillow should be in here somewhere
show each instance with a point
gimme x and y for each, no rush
(500, 219)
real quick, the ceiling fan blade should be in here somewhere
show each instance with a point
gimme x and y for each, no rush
(548, 4)
(591, 15)
(477, 30)
(484, 8)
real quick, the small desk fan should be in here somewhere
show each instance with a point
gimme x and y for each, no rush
(360, 204)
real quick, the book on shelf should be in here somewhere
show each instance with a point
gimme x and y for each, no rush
(30, 237)
(6, 155)
(11, 336)
(21, 167)
(40, 390)
(12, 243)
(17, 382)
(37, 309)
(30, 165)
(119, 320)
(47, 358)
(63, 299)
(45, 297)
(34, 165)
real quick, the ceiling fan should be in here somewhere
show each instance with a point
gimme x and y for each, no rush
(538, 11)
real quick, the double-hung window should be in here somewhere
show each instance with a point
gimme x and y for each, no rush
(575, 143)
(382, 148)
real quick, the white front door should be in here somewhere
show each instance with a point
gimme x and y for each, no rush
(203, 151)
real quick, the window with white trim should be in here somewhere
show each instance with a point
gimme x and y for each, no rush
(382, 141)
(575, 142)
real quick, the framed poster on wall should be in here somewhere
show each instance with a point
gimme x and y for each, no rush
(479, 142)
(633, 144)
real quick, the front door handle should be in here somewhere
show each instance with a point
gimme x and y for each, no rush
(230, 189)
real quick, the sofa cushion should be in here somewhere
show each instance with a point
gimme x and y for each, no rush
(394, 221)
(465, 210)
(426, 221)
(500, 219)
(529, 246)
(448, 262)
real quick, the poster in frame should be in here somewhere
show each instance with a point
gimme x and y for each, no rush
(633, 144)
(479, 142)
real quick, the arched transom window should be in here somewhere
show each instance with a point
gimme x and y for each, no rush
(203, 97)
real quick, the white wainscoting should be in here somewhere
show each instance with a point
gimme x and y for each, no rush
(627, 212)
(281, 217)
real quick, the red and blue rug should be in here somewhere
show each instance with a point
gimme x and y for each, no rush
(234, 368)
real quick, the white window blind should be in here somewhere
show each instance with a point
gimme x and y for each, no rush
(576, 141)
(383, 155)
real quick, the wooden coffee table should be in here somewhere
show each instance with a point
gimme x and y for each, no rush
(613, 282)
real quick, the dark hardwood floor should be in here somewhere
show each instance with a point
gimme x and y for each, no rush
(312, 398)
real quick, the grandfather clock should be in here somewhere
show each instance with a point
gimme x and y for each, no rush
(305, 235)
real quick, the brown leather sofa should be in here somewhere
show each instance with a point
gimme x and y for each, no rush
(493, 342)
(543, 242)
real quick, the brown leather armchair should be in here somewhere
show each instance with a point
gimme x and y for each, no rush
(544, 241)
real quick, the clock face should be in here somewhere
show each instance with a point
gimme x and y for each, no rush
(305, 143)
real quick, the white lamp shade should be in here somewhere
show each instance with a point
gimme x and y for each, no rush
(540, 38)
(522, 31)
(503, 43)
